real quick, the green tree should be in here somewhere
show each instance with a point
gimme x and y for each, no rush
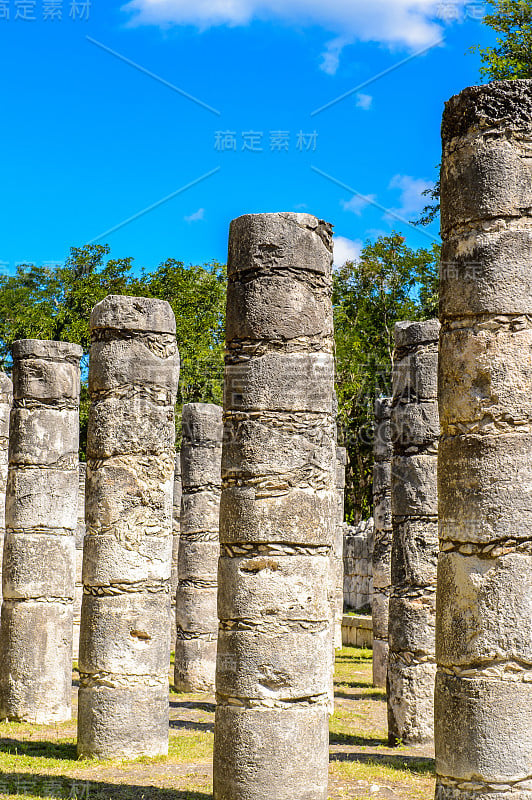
(511, 57)
(55, 303)
(388, 283)
(197, 296)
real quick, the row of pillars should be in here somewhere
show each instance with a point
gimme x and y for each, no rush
(453, 590)
(278, 509)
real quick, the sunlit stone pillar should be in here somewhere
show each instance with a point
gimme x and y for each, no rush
(382, 545)
(6, 400)
(278, 513)
(125, 631)
(338, 550)
(199, 548)
(176, 527)
(41, 519)
(80, 536)
(484, 615)
(412, 608)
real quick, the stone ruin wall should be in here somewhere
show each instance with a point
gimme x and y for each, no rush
(358, 567)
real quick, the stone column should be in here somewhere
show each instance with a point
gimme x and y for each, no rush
(6, 400)
(125, 631)
(80, 536)
(412, 609)
(199, 548)
(278, 513)
(338, 550)
(176, 527)
(41, 518)
(382, 544)
(483, 697)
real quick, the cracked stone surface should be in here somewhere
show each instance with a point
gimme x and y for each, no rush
(6, 401)
(414, 502)
(483, 701)
(199, 548)
(278, 513)
(41, 519)
(382, 537)
(176, 527)
(125, 613)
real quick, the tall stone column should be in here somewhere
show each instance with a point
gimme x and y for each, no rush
(80, 536)
(382, 544)
(199, 548)
(483, 696)
(41, 519)
(278, 513)
(6, 401)
(412, 608)
(125, 632)
(176, 527)
(338, 549)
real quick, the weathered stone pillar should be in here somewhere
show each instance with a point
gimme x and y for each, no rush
(6, 400)
(199, 548)
(412, 609)
(80, 536)
(41, 518)
(338, 549)
(382, 544)
(484, 615)
(278, 513)
(176, 527)
(125, 631)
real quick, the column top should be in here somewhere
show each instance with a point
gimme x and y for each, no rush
(411, 334)
(49, 350)
(283, 240)
(500, 104)
(142, 314)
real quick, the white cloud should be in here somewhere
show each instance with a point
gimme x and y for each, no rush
(411, 197)
(407, 23)
(357, 203)
(196, 216)
(364, 101)
(345, 250)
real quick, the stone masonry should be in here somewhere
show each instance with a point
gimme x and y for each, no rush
(278, 513)
(41, 520)
(382, 545)
(338, 550)
(484, 617)
(125, 631)
(358, 571)
(176, 527)
(6, 400)
(411, 623)
(199, 548)
(80, 536)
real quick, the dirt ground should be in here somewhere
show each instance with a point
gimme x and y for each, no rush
(40, 761)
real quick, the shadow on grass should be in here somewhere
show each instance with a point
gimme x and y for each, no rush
(190, 725)
(376, 695)
(59, 786)
(353, 740)
(425, 766)
(38, 749)
(196, 705)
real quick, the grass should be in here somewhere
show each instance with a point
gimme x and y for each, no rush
(38, 761)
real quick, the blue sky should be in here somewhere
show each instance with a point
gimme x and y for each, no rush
(204, 111)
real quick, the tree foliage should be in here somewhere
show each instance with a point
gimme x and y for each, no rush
(55, 303)
(388, 283)
(511, 57)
